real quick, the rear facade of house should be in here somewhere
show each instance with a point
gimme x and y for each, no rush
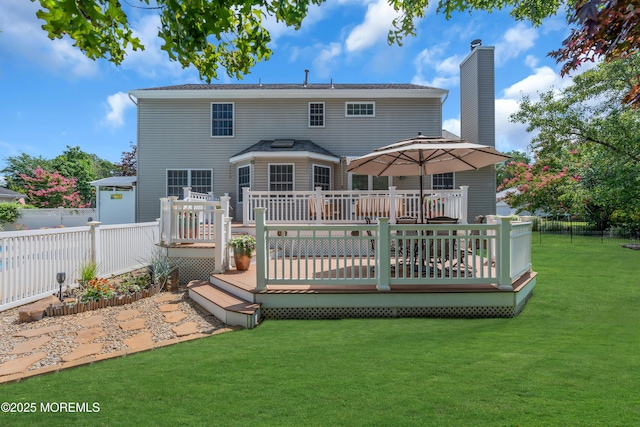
(291, 137)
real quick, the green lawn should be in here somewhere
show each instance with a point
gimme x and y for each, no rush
(570, 359)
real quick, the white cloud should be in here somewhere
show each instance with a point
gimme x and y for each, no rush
(452, 125)
(118, 104)
(514, 136)
(376, 25)
(515, 41)
(326, 59)
(447, 69)
(22, 34)
(531, 61)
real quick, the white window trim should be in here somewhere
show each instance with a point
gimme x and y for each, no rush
(189, 184)
(369, 181)
(359, 115)
(313, 173)
(250, 166)
(293, 170)
(233, 121)
(324, 115)
(452, 188)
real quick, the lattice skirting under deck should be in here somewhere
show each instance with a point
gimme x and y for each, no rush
(192, 268)
(370, 312)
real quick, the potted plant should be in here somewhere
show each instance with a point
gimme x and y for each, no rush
(243, 247)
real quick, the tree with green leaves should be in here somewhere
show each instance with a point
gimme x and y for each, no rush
(209, 34)
(587, 132)
(72, 163)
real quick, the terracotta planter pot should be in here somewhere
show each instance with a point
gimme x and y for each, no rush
(242, 260)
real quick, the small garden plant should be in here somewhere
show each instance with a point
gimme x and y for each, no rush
(245, 243)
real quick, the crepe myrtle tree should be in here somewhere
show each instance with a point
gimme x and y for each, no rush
(51, 190)
(209, 34)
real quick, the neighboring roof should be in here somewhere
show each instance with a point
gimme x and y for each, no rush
(502, 194)
(115, 181)
(5, 193)
(285, 148)
(245, 91)
(449, 135)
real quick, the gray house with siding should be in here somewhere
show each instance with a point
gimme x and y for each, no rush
(281, 137)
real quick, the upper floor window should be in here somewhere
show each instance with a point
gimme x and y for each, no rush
(200, 181)
(244, 180)
(281, 177)
(442, 181)
(360, 109)
(316, 114)
(222, 119)
(322, 177)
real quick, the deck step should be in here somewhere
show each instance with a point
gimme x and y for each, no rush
(227, 307)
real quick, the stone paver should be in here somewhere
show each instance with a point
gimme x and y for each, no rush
(133, 325)
(174, 316)
(168, 307)
(186, 329)
(83, 350)
(30, 333)
(88, 335)
(143, 340)
(167, 298)
(92, 321)
(127, 314)
(21, 364)
(30, 345)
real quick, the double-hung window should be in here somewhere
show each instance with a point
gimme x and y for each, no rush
(316, 114)
(442, 181)
(281, 177)
(222, 119)
(360, 109)
(244, 179)
(322, 177)
(200, 181)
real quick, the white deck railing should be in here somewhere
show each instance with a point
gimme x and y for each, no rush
(349, 207)
(388, 254)
(30, 260)
(197, 222)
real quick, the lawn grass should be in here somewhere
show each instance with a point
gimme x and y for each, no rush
(569, 359)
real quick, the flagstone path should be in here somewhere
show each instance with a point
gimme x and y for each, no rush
(60, 342)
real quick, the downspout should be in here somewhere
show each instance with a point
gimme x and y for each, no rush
(132, 98)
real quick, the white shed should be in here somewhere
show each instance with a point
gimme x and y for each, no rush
(116, 199)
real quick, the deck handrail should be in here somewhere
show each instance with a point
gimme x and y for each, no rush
(350, 206)
(388, 254)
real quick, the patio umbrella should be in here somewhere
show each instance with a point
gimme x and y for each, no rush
(425, 155)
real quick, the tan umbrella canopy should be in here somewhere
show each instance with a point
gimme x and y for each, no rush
(425, 155)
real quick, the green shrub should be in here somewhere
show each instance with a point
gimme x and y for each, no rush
(9, 213)
(96, 290)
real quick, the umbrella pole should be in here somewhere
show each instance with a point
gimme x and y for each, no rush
(421, 201)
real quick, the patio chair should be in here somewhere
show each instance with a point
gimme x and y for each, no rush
(441, 249)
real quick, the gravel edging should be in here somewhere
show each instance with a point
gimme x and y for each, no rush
(63, 340)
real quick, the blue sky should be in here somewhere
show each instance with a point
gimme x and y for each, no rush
(53, 97)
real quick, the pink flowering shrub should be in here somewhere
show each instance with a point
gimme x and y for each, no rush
(51, 190)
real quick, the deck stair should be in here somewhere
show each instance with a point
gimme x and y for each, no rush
(227, 307)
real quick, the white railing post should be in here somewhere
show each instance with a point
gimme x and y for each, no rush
(261, 249)
(383, 256)
(164, 220)
(96, 253)
(224, 204)
(186, 193)
(504, 254)
(319, 205)
(392, 205)
(246, 195)
(464, 204)
(171, 229)
(219, 234)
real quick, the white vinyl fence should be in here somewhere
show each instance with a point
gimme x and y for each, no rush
(34, 219)
(30, 260)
